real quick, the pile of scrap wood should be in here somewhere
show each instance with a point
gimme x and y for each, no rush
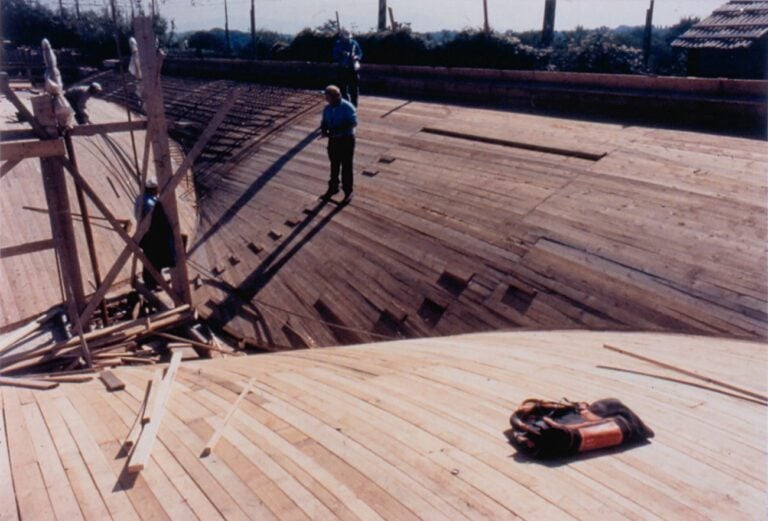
(142, 340)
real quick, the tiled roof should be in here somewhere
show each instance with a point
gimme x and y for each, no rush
(735, 25)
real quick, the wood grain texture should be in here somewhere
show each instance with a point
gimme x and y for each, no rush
(409, 430)
(659, 230)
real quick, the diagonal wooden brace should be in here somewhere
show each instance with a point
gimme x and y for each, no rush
(166, 192)
(130, 242)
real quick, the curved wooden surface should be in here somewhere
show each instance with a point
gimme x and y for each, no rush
(403, 431)
(29, 280)
(472, 220)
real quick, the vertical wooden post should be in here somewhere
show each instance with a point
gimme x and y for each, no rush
(382, 15)
(486, 25)
(226, 28)
(338, 23)
(548, 29)
(151, 63)
(647, 36)
(87, 227)
(392, 19)
(59, 212)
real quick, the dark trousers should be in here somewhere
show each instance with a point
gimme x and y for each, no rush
(341, 151)
(349, 81)
(149, 281)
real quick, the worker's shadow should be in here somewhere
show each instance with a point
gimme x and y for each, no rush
(271, 265)
(252, 190)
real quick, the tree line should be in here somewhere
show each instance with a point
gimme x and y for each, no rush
(602, 50)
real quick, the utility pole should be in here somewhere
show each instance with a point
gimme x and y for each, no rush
(548, 29)
(338, 23)
(61, 8)
(382, 15)
(253, 27)
(486, 25)
(392, 19)
(77, 9)
(647, 35)
(226, 27)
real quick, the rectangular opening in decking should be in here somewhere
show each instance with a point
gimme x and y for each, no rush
(518, 299)
(431, 311)
(454, 281)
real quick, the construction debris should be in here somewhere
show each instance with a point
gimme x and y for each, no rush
(112, 382)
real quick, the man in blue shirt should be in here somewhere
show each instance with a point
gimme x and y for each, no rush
(347, 55)
(338, 125)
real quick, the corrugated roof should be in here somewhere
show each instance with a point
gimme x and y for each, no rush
(736, 25)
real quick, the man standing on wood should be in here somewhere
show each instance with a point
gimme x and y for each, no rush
(338, 125)
(158, 242)
(347, 55)
(78, 97)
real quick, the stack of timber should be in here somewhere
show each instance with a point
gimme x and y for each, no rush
(409, 430)
(475, 220)
(142, 341)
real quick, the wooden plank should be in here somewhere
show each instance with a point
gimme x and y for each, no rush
(91, 504)
(151, 397)
(17, 134)
(517, 144)
(214, 439)
(18, 334)
(233, 497)
(31, 496)
(686, 372)
(107, 128)
(26, 383)
(111, 381)
(27, 248)
(60, 492)
(21, 107)
(67, 378)
(103, 474)
(140, 457)
(182, 469)
(8, 504)
(7, 166)
(152, 494)
(20, 150)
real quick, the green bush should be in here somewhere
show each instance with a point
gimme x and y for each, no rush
(92, 34)
(490, 51)
(595, 51)
(613, 51)
(400, 47)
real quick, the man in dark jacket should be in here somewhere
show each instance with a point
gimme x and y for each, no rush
(158, 242)
(347, 55)
(78, 97)
(338, 125)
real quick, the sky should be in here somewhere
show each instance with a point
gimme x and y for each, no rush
(290, 16)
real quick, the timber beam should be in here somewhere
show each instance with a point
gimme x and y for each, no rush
(18, 150)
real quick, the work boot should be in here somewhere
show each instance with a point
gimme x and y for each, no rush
(329, 193)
